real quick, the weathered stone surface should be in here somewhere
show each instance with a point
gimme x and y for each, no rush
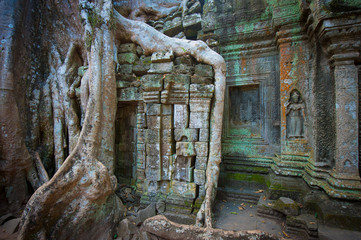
(11, 226)
(153, 121)
(200, 105)
(177, 81)
(161, 57)
(186, 134)
(201, 149)
(82, 70)
(127, 58)
(152, 174)
(185, 149)
(199, 176)
(201, 163)
(125, 77)
(286, 206)
(172, 27)
(152, 149)
(126, 229)
(139, 51)
(183, 69)
(152, 135)
(186, 60)
(199, 120)
(192, 23)
(195, 79)
(140, 69)
(130, 94)
(153, 109)
(127, 48)
(180, 116)
(151, 97)
(152, 82)
(167, 122)
(195, 8)
(167, 109)
(204, 70)
(125, 69)
(165, 67)
(187, 190)
(201, 91)
(204, 134)
(123, 84)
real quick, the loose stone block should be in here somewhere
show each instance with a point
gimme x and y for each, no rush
(180, 116)
(172, 27)
(125, 69)
(201, 149)
(151, 97)
(127, 47)
(191, 134)
(153, 121)
(153, 109)
(184, 189)
(127, 58)
(204, 134)
(201, 163)
(200, 105)
(161, 57)
(166, 67)
(185, 149)
(195, 79)
(204, 70)
(199, 177)
(195, 8)
(152, 82)
(153, 162)
(199, 120)
(192, 23)
(152, 135)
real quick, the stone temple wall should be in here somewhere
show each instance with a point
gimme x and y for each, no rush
(162, 128)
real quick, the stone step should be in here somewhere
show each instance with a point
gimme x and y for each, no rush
(248, 196)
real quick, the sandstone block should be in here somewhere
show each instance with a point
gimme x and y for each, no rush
(177, 81)
(127, 58)
(185, 149)
(180, 116)
(172, 27)
(201, 163)
(167, 109)
(152, 82)
(199, 177)
(152, 174)
(287, 206)
(204, 70)
(153, 162)
(167, 122)
(190, 134)
(167, 149)
(186, 60)
(152, 149)
(204, 134)
(152, 135)
(127, 48)
(192, 23)
(161, 57)
(166, 67)
(201, 149)
(130, 94)
(183, 69)
(140, 69)
(125, 69)
(122, 84)
(199, 120)
(153, 109)
(195, 79)
(200, 105)
(151, 97)
(153, 121)
(184, 189)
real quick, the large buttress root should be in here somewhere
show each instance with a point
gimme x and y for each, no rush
(152, 41)
(79, 201)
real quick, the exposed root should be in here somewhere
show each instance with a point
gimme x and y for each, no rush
(152, 41)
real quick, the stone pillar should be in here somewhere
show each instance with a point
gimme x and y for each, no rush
(347, 125)
(294, 74)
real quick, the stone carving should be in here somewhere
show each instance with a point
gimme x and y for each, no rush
(295, 115)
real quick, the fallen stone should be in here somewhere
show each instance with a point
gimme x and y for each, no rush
(126, 229)
(287, 206)
(146, 213)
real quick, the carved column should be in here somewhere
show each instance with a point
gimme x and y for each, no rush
(294, 71)
(346, 94)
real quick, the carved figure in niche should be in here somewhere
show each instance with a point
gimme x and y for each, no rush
(295, 113)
